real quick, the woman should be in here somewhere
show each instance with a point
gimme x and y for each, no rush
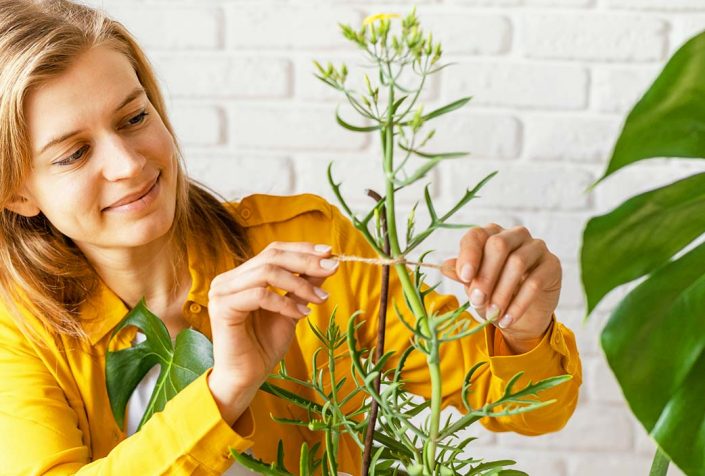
(97, 213)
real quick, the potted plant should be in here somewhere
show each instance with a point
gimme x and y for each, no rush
(382, 425)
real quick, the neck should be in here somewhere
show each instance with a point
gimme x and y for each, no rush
(144, 272)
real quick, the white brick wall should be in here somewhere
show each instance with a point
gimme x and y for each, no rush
(551, 82)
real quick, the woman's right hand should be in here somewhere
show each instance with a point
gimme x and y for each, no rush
(248, 344)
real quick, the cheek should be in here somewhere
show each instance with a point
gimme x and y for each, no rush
(71, 208)
(159, 141)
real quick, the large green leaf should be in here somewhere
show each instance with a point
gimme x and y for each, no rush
(181, 362)
(654, 341)
(669, 120)
(655, 344)
(640, 235)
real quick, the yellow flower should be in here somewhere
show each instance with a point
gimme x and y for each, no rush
(379, 16)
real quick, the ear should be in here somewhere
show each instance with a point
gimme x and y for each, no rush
(23, 205)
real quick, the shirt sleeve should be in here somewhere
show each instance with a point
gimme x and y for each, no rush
(555, 354)
(40, 435)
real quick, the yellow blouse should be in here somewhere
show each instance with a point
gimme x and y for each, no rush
(55, 415)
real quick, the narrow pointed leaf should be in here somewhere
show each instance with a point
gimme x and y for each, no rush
(350, 127)
(447, 108)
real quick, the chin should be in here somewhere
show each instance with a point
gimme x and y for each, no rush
(143, 232)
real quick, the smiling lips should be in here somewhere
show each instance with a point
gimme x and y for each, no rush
(134, 196)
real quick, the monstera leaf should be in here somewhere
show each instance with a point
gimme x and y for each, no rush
(654, 341)
(181, 362)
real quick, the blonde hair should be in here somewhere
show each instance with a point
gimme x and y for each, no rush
(42, 269)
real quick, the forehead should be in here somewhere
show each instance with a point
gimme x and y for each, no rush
(92, 86)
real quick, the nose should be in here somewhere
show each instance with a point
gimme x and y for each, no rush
(120, 160)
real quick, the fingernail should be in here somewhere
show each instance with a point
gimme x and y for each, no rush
(492, 312)
(303, 309)
(320, 293)
(477, 297)
(321, 248)
(329, 263)
(466, 273)
(506, 321)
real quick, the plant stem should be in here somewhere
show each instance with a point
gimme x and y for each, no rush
(409, 290)
(369, 436)
(659, 467)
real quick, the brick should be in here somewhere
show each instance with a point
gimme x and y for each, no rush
(602, 385)
(289, 26)
(461, 32)
(514, 3)
(562, 232)
(156, 27)
(295, 127)
(519, 85)
(355, 173)
(618, 89)
(560, 3)
(584, 430)
(684, 28)
(609, 465)
(639, 178)
(572, 295)
(594, 37)
(309, 87)
(225, 76)
(570, 138)
(487, 3)
(668, 5)
(197, 125)
(239, 175)
(523, 186)
(484, 135)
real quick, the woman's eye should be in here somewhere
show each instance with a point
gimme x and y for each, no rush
(138, 118)
(73, 157)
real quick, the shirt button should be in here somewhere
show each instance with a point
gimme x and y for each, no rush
(195, 308)
(245, 213)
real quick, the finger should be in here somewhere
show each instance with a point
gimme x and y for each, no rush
(314, 281)
(472, 245)
(308, 262)
(545, 276)
(519, 264)
(253, 299)
(270, 275)
(497, 249)
(448, 269)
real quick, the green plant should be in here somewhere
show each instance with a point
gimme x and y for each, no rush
(654, 340)
(390, 443)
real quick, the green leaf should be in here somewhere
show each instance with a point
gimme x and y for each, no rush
(181, 363)
(655, 345)
(350, 127)
(669, 120)
(447, 108)
(257, 465)
(640, 235)
(440, 155)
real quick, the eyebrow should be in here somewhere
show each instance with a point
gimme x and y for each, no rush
(137, 92)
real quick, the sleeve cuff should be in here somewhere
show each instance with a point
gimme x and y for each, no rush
(203, 432)
(547, 355)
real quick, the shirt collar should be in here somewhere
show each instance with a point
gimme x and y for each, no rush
(104, 309)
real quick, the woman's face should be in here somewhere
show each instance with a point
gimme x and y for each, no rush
(96, 139)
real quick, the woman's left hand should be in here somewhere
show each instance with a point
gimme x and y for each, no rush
(511, 279)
